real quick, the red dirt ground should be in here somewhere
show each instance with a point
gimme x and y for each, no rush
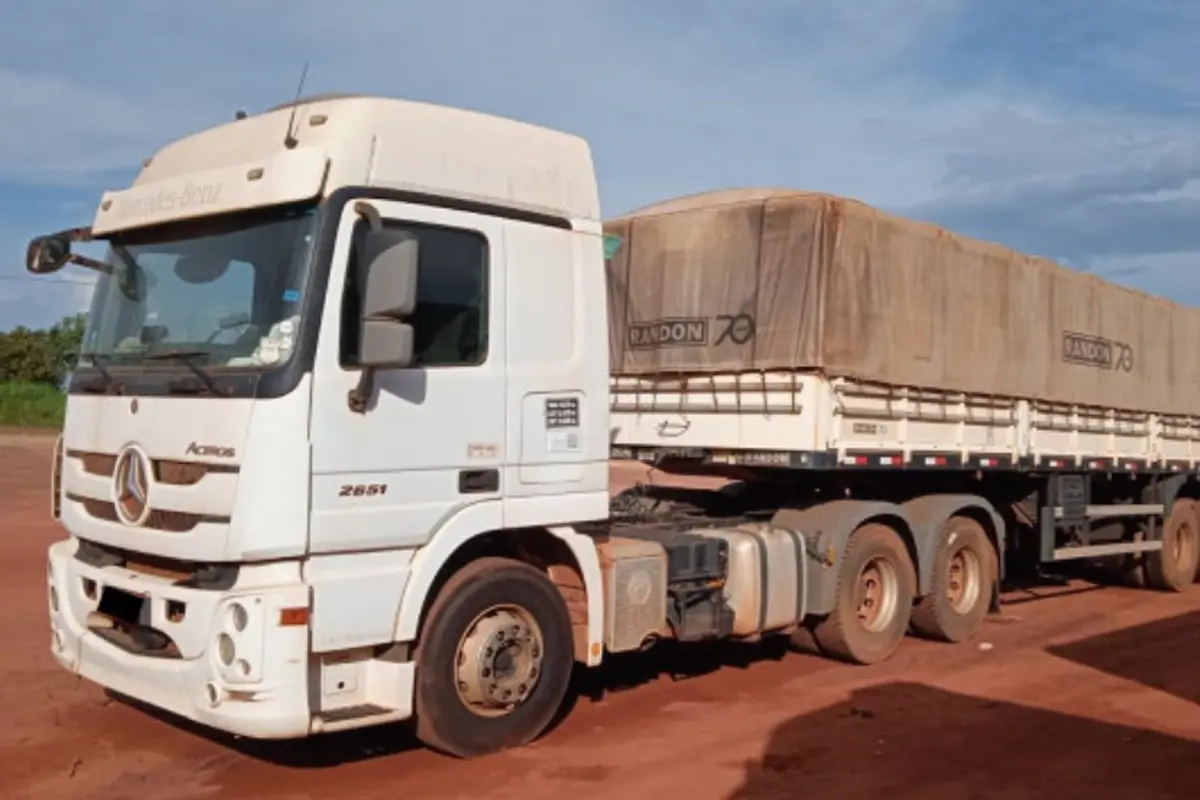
(1093, 692)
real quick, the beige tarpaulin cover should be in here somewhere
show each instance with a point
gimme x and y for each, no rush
(764, 280)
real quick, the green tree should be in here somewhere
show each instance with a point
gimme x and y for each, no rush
(43, 356)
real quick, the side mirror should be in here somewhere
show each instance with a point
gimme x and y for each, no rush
(389, 292)
(47, 254)
(385, 344)
(389, 299)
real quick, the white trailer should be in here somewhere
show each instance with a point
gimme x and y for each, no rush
(336, 451)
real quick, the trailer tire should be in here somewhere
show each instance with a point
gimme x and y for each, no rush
(461, 706)
(1196, 518)
(1173, 568)
(875, 560)
(956, 607)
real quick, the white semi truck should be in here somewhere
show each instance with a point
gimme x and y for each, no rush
(336, 452)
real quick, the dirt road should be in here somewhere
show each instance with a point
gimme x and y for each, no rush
(1091, 693)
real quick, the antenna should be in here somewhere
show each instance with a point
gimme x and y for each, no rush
(290, 140)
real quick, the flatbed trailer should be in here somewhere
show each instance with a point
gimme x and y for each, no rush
(1083, 463)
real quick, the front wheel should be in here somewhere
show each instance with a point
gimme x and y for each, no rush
(494, 660)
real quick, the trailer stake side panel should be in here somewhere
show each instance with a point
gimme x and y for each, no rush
(803, 420)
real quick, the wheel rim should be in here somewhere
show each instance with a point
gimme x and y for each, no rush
(499, 660)
(877, 594)
(964, 578)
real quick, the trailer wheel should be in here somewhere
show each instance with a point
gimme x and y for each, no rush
(873, 598)
(494, 659)
(1196, 519)
(1173, 568)
(964, 572)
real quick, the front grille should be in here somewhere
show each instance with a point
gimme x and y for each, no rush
(95, 463)
(168, 471)
(158, 519)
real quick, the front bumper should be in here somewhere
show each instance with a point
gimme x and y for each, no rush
(256, 685)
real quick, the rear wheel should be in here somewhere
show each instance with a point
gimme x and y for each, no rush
(1173, 568)
(964, 573)
(1196, 518)
(873, 598)
(494, 659)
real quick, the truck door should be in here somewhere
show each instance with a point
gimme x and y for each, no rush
(430, 442)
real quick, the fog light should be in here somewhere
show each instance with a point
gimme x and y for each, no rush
(226, 649)
(239, 617)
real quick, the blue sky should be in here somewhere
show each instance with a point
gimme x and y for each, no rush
(1066, 128)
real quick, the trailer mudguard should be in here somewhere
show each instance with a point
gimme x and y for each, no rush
(929, 514)
(826, 529)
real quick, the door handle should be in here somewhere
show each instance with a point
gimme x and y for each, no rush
(478, 481)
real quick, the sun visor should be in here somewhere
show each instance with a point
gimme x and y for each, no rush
(288, 177)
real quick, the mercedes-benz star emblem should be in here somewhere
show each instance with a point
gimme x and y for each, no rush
(131, 485)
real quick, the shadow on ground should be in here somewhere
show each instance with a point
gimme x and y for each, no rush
(619, 673)
(1163, 655)
(911, 742)
(319, 752)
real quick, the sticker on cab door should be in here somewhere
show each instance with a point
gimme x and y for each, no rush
(560, 441)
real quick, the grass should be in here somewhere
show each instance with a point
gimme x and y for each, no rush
(31, 405)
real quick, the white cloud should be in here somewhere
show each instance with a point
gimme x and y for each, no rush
(57, 131)
(1009, 135)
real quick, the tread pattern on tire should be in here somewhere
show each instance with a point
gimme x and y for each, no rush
(839, 635)
(1162, 572)
(442, 722)
(932, 616)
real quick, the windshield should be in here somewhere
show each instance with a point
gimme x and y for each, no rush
(226, 291)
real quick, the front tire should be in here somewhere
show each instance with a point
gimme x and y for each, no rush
(494, 659)
(874, 598)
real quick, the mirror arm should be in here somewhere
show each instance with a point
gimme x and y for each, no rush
(360, 395)
(90, 263)
(370, 213)
(77, 234)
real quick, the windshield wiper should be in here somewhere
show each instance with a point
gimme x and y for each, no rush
(187, 358)
(98, 360)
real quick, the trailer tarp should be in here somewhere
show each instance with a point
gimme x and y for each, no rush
(779, 280)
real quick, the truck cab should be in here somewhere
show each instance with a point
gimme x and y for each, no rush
(330, 346)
